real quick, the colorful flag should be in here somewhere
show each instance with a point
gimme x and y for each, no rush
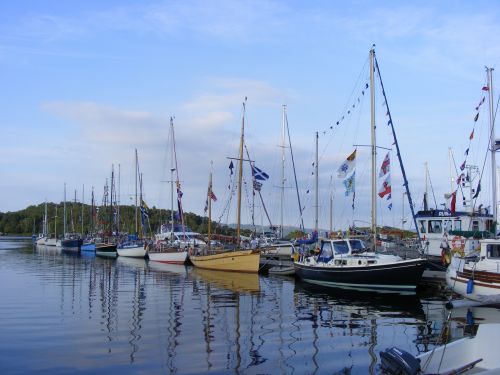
(385, 189)
(349, 184)
(485, 88)
(453, 202)
(212, 196)
(471, 135)
(477, 190)
(462, 167)
(143, 204)
(386, 166)
(347, 166)
(259, 174)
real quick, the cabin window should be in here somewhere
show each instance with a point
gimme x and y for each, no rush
(475, 225)
(357, 246)
(457, 225)
(421, 225)
(448, 225)
(326, 252)
(493, 251)
(340, 247)
(435, 226)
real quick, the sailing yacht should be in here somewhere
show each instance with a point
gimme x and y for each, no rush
(167, 249)
(477, 276)
(231, 260)
(347, 262)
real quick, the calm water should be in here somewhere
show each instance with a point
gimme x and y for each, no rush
(64, 313)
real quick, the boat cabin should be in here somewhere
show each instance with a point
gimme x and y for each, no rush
(331, 249)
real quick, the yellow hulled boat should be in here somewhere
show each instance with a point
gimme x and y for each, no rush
(239, 260)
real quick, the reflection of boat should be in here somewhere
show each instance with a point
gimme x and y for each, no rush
(53, 250)
(179, 269)
(132, 262)
(477, 354)
(234, 281)
(228, 260)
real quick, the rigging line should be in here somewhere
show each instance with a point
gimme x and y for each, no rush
(398, 153)
(432, 189)
(294, 173)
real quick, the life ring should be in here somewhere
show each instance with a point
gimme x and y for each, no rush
(458, 245)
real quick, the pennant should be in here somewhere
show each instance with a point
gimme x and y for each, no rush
(212, 196)
(347, 166)
(477, 190)
(259, 174)
(485, 88)
(390, 206)
(349, 184)
(453, 202)
(476, 117)
(462, 167)
(385, 189)
(471, 135)
(389, 122)
(231, 167)
(386, 166)
(466, 152)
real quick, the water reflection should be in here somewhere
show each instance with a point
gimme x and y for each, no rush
(130, 315)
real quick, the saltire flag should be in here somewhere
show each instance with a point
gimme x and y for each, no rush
(144, 215)
(477, 190)
(385, 168)
(259, 174)
(349, 184)
(347, 166)
(453, 202)
(385, 189)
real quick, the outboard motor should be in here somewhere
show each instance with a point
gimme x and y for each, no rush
(395, 361)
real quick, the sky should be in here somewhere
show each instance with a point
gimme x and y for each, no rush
(86, 83)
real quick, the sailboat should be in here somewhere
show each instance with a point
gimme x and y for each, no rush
(231, 260)
(347, 262)
(478, 277)
(42, 237)
(167, 248)
(106, 247)
(135, 248)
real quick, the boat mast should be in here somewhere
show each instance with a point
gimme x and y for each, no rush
(374, 149)
(316, 182)
(64, 211)
(136, 172)
(240, 176)
(83, 198)
(172, 170)
(45, 224)
(209, 198)
(282, 170)
(119, 198)
(489, 73)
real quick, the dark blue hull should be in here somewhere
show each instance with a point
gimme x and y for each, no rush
(399, 276)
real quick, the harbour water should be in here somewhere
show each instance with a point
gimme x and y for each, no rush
(75, 313)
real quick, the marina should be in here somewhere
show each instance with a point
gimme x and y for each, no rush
(86, 314)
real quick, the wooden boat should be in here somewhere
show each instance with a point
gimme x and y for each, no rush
(471, 355)
(230, 260)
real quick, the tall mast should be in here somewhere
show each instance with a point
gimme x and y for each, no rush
(450, 159)
(45, 224)
(119, 198)
(316, 192)
(136, 173)
(489, 73)
(282, 196)
(240, 176)
(172, 170)
(83, 198)
(374, 149)
(331, 212)
(210, 205)
(64, 211)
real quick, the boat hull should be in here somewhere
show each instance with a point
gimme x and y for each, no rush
(88, 247)
(132, 251)
(240, 261)
(106, 250)
(173, 257)
(72, 242)
(485, 285)
(400, 276)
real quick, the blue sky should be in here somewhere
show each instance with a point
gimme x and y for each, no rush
(85, 83)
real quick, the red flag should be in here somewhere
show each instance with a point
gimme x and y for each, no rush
(212, 196)
(471, 134)
(485, 88)
(385, 189)
(453, 202)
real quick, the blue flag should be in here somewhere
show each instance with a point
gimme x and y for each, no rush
(259, 174)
